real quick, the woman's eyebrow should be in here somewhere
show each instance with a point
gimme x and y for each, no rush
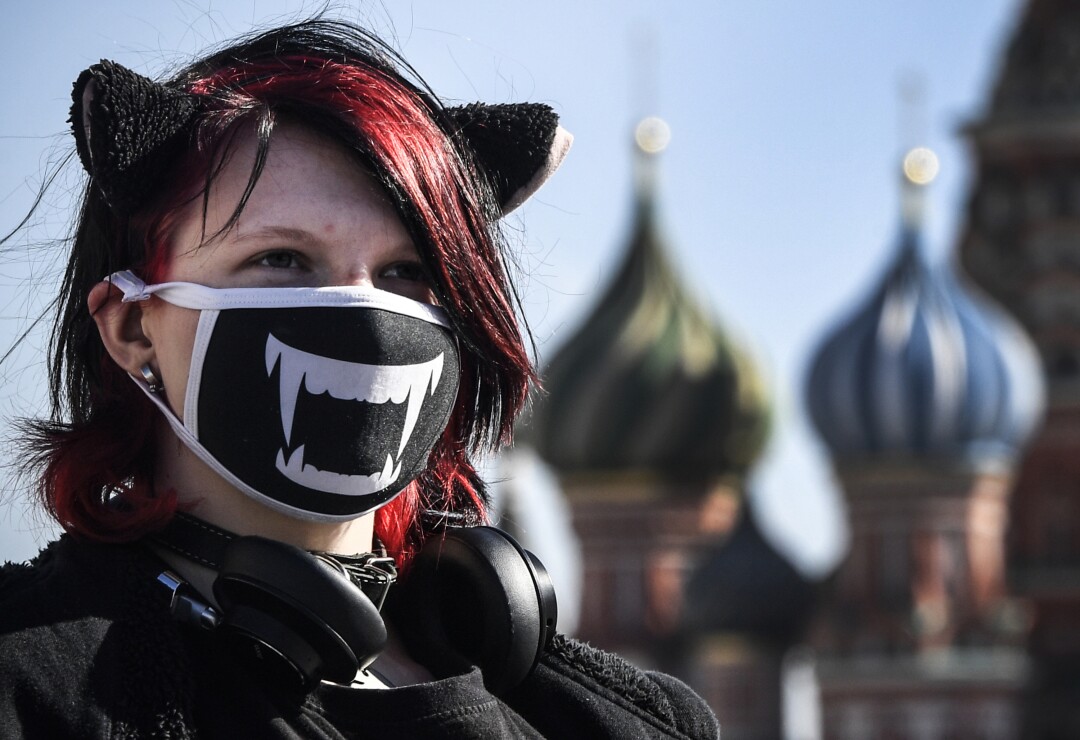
(279, 233)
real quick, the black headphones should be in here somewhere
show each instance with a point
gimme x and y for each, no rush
(472, 596)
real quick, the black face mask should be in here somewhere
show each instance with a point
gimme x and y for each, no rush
(323, 403)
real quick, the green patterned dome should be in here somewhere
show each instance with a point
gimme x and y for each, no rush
(650, 382)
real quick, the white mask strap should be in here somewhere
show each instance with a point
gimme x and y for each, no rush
(130, 284)
(201, 297)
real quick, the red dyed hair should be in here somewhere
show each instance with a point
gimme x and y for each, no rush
(97, 466)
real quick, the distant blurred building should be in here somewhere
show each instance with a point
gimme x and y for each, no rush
(651, 420)
(1022, 244)
(956, 614)
(925, 396)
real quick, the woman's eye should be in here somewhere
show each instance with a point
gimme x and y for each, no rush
(279, 260)
(411, 271)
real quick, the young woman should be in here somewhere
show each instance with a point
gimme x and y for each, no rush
(285, 328)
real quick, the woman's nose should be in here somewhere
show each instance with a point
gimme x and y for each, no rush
(354, 274)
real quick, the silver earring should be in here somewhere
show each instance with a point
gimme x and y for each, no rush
(151, 379)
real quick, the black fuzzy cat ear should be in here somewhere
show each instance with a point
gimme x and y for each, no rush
(520, 145)
(124, 126)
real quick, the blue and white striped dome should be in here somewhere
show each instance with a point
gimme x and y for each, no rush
(925, 370)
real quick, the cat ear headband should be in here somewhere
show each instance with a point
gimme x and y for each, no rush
(127, 125)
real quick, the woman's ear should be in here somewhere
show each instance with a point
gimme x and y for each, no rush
(120, 327)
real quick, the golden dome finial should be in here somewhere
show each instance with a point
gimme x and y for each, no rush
(652, 135)
(921, 166)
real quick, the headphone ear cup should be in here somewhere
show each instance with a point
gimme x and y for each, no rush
(282, 601)
(474, 596)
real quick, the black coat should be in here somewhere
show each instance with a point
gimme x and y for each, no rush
(88, 649)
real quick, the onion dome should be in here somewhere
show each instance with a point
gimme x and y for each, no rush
(745, 586)
(924, 369)
(649, 382)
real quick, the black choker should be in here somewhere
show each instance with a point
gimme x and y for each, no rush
(203, 543)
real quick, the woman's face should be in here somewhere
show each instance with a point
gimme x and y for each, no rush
(315, 218)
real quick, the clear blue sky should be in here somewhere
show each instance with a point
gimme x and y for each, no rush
(779, 192)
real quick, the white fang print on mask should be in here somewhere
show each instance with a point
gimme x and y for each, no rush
(346, 381)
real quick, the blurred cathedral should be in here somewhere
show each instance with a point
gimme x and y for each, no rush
(954, 436)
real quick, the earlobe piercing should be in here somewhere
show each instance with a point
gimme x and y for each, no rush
(152, 381)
